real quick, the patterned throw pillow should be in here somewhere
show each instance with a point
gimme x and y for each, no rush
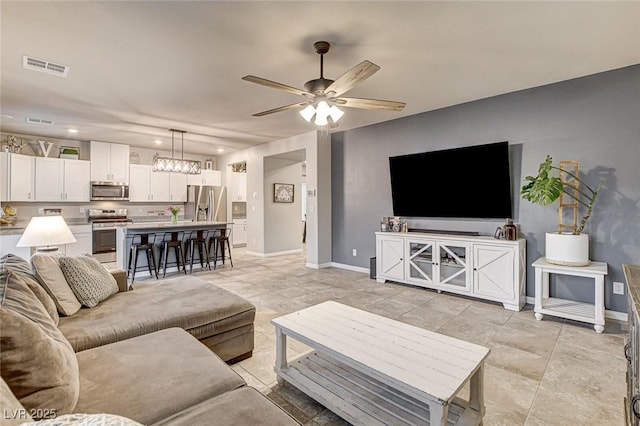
(89, 280)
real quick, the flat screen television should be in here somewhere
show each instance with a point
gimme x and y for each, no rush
(468, 182)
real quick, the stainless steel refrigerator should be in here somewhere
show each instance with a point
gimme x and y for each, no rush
(206, 203)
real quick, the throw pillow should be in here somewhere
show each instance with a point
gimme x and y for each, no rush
(22, 268)
(36, 360)
(48, 272)
(86, 420)
(89, 280)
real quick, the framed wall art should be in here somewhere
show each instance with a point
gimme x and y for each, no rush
(283, 193)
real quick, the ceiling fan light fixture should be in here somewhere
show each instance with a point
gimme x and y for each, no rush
(321, 120)
(308, 112)
(335, 113)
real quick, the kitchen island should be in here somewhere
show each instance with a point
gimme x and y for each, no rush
(124, 235)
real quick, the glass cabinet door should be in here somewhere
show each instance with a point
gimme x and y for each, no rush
(420, 264)
(453, 265)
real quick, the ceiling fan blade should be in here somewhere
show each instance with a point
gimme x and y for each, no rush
(351, 78)
(370, 104)
(282, 108)
(274, 85)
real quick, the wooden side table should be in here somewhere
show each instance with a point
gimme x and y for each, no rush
(570, 309)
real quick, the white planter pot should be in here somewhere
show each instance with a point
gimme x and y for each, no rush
(567, 249)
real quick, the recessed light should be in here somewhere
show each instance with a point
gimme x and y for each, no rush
(73, 130)
(158, 142)
(220, 149)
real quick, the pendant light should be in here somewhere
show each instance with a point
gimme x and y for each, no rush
(166, 164)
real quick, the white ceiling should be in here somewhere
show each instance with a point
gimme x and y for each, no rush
(140, 68)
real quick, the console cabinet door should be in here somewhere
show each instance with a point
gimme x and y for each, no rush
(420, 267)
(493, 271)
(390, 258)
(453, 267)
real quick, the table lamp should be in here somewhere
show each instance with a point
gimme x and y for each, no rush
(45, 233)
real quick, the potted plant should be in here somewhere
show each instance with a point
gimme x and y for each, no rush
(563, 248)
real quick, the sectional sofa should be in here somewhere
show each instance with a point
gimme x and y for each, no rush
(137, 354)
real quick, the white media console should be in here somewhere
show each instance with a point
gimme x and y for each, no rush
(477, 266)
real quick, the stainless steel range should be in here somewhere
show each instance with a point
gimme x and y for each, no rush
(104, 223)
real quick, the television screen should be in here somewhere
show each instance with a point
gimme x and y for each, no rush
(468, 182)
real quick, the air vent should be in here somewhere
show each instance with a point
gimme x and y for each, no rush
(41, 65)
(44, 121)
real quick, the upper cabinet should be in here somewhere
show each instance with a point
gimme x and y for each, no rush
(238, 186)
(147, 185)
(17, 179)
(61, 179)
(109, 162)
(206, 178)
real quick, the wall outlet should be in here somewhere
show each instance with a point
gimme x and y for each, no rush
(354, 252)
(81, 210)
(41, 210)
(618, 287)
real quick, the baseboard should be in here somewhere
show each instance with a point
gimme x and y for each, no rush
(350, 267)
(276, 253)
(620, 316)
(317, 266)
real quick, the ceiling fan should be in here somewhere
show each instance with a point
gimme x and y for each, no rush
(323, 96)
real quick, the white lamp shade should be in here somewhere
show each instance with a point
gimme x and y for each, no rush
(46, 231)
(308, 112)
(335, 113)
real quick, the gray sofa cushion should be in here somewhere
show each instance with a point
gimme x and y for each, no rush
(156, 375)
(185, 302)
(22, 268)
(36, 360)
(240, 407)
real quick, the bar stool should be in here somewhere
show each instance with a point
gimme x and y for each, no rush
(220, 239)
(198, 238)
(141, 242)
(172, 239)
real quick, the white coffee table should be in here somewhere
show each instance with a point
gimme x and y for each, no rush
(372, 370)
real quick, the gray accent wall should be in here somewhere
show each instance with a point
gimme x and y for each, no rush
(593, 119)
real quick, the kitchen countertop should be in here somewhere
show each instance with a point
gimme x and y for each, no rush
(19, 226)
(169, 225)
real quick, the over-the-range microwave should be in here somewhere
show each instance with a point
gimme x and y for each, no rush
(109, 191)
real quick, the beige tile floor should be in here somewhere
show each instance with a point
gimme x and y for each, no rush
(550, 372)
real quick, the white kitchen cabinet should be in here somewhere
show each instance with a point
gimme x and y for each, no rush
(84, 243)
(206, 178)
(8, 245)
(4, 176)
(178, 187)
(147, 185)
(238, 186)
(83, 234)
(21, 185)
(482, 267)
(239, 232)
(109, 162)
(59, 179)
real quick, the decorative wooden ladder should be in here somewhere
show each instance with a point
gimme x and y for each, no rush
(567, 169)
